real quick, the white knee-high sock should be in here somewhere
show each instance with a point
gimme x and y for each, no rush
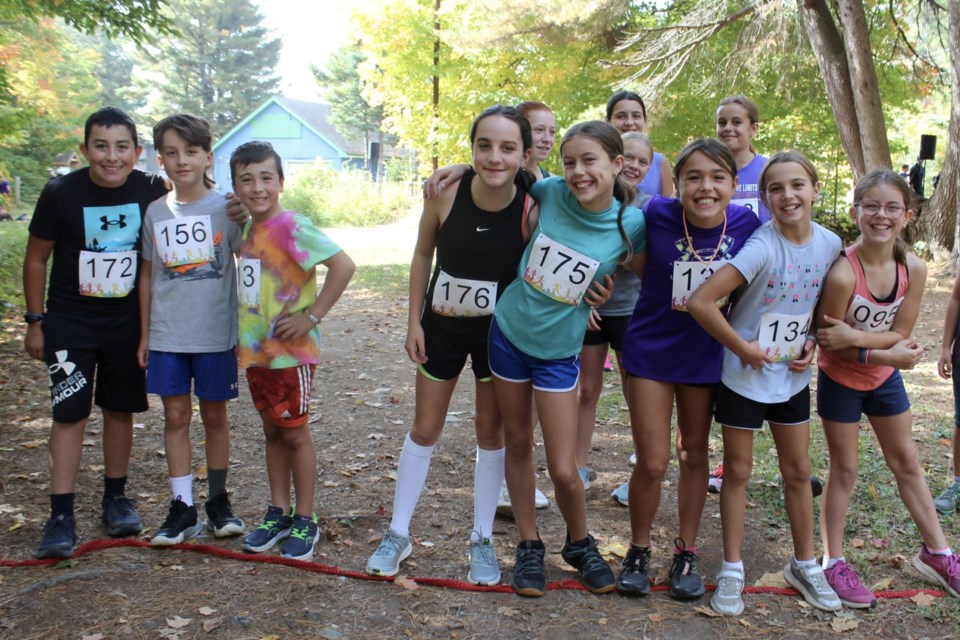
(411, 476)
(487, 477)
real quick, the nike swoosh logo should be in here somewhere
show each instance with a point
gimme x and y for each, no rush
(479, 229)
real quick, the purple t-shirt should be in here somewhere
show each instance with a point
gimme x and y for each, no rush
(663, 343)
(748, 188)
(651, 182)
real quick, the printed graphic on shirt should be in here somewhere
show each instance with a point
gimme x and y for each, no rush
(108, 265)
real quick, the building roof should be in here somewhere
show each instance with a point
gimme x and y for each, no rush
(314, 116)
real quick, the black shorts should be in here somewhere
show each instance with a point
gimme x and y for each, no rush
(447, 356)
(735, 410)
(79, 350)
(612, 330)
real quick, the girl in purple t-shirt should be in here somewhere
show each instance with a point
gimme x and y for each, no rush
(738, 120)
(670, 358)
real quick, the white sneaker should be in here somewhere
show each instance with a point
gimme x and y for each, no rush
(505, 508)
(584, 477)
(633, 458)
(812, 584)
(727, 599)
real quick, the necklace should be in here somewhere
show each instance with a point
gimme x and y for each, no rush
(716, 252)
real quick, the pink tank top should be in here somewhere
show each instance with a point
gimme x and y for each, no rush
(866, 313)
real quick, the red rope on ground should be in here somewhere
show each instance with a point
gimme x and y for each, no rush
(445, 583)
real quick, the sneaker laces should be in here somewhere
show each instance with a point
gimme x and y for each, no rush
(636, 560)
(391, 545)
(123, 505)
(176, 515)
(219, 508)
(845, 576)
(817, 579)
(729, 586)
(484, 548)
(269, 521)
(684, 562)
(951, 493)
(528, 561)
(593, 561)
(56, 525)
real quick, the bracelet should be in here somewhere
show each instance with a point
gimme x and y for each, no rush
(862, 356)
(314, 319)
(866, 359)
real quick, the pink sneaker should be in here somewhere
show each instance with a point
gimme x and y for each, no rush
(944, 570)
(846, 583)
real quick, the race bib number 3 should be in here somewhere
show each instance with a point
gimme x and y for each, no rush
(687, 278)
(558, 271)
(183, 241)
(871, 317)
(107, 275)
(462, 298)
(782, 335)
(248, 281)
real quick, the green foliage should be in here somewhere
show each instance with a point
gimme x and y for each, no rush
(13, 243)
(343, 90)
(222, 65)
(138, 20)
(345, 198)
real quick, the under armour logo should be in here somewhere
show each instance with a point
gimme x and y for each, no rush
(61, 365)
(107, 223)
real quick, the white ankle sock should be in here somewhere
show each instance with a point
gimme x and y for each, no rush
(411, 475)
(182, 488)
(732, 566)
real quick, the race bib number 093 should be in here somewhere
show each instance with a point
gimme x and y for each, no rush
(559, 272)
(107, 275)
(463, 298)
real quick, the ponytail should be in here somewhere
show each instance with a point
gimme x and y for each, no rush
(626, 195)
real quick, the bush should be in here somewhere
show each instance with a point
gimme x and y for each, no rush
(345, 198)
(13, 244)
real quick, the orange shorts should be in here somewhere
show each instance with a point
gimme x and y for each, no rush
(284, 394)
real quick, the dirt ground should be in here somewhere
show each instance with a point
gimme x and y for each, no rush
(363, 406)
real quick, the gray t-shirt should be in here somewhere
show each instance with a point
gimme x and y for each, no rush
(784, 282)
(626, 290)
(194, 298)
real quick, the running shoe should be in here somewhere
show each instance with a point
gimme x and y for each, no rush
(845, 581)
(622, 494)
(944, 570)
(181, 525)
(304, 534)
(595, 573)
(686, 583)
(484, 569)
(220, 518)
(393, 550)
(59, 538)
(812, 584)
(634, 578)
(119, 516)
(274, 527)
(948, 502)
(715, 483)
(529, 577)
(728, 598)
(584, 477)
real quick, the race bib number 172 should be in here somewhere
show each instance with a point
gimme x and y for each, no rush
(107, 275)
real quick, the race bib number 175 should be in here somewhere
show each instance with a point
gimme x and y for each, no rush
(559, 272)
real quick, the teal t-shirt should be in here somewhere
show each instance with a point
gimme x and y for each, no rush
(542, 312)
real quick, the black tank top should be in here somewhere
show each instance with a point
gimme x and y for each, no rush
(474, 244)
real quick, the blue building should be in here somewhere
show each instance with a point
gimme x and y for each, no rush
(301, 133)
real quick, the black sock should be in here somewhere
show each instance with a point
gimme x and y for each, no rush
(61, 504)
(581, 543)
(216, 482)
(113, 487)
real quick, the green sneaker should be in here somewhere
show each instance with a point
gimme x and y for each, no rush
(274, 527)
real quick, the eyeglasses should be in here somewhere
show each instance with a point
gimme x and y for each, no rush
(872, 208)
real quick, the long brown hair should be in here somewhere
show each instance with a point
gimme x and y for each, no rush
(887, 177)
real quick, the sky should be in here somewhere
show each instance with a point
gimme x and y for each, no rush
(310, 31)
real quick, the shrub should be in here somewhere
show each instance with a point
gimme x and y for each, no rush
(13, 244)
(345, 198)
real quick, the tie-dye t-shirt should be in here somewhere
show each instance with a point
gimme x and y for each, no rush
(277, 276)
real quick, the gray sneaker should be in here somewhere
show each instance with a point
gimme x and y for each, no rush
(948, 502)
(393, 550)
(484, 569)
(727, 598)
(812, 584)
(622, 494)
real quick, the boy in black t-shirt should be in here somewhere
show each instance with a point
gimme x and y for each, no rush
(89, 221)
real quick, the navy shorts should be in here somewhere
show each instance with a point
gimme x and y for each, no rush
(81, 349)
(446, 356)
(838, 403)
(612, 330)
(510, 364)
(214, 375)
(735, 410)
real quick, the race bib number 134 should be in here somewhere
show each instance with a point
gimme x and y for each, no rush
(782, 335)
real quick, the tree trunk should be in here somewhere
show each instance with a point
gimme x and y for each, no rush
(828, 49)
(943, 208)
(863, 79)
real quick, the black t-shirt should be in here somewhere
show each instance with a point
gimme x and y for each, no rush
(88, 223)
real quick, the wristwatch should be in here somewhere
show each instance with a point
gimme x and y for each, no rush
(30, 318)
(314, 319)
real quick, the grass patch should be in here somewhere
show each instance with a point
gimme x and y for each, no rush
(13, 243)
(382, 279)
(346, 198)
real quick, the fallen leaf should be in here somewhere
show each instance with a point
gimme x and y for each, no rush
(406, 583)
(602, 622)
(844, 624)
(744, 622)
(707, 611)
(655, 617)
(882, 585)
(857, 543)
(34, 444)
(210, 625)
(272, 636)
(330, 483)
(507, 612)
(92, 636)
(18, 521)
(879, 543)
(206, 611)
(426, 543)
(177, 622)
(772, 580)
(611, 550)
(923, 599)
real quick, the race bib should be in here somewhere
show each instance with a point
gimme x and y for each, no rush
(463, 298)
(183, 241)
(869, 316)
(248, 281)
(782, 335)
(687, 278)
(750, 203)
(559, 272)
(107, 275)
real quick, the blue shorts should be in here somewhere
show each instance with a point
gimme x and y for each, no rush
(838, 403)
(510, 364)
(740, 412)
(214, 375)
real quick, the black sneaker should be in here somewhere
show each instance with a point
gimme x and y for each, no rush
(634, 579)
(529, 578)
(595, 573)
(120, 518)
(274, 527)
(686, 583)
(220, 518)
(304, 533)
(59, 538)
(181, 525)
